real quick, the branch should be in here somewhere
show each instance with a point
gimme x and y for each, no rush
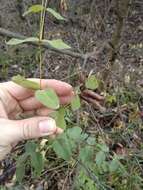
(7, 33)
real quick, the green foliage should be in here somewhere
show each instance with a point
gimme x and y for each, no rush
(75, 103)
(35, 157)
(34, 9)
(60, 118)
(48, 98)
(38, 8)
(100, 158)
(15, 41)
(20, 80)
(57, 44)
(97, 167)
(55, 14)
(65, 144)
(111, 98)
(92, 82)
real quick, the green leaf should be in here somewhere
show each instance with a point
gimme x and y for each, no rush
(74, 133)
(38, 8)
(57, 44)
(60, 118)
(30, 147)
(111, 98)
(114, 165)
(86, 154)
(55, 14)
(34, 9)
(63, 147)
(20, 172)
(75, 103)
(103, 147)
(20, 80)
(37, 162)
(15, 41)
(21, 160)
(100, 158)
(91, 141)
(92, 82)
(20, 167)
(48, 98)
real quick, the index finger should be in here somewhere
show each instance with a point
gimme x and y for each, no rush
(20, 93)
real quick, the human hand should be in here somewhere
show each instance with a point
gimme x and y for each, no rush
(15, 101)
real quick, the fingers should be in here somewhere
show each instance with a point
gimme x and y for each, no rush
(20, 93)
(3, 113)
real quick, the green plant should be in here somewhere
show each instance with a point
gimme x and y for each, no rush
(95, 163)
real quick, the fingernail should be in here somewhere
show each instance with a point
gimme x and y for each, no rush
(47, 127)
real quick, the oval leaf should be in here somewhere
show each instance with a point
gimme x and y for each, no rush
(92, 82)
(15, 41)
(34, 9)
(57, 44)
(20, 80)
(48, 98)
(75, 103)
(55, 14)
(100, 158)
(60, 118)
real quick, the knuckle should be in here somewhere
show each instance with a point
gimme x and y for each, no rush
(26, 131)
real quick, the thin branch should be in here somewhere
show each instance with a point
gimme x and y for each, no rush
(7, 33)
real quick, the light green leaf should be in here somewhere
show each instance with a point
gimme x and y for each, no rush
(111, 98)
(103, 147)
(74, 133)
(75, 103)
(60, 118)
(92, 82)
(63, 147)
(15, 41)
(20, 80)
(86, 154)
(114, 165)
(91, 141)
(55, 14)
(48, 98)
(34, 9)
(100, 158)
(38, 8)
(57, 44)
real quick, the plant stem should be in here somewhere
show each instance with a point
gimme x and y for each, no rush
(42, 21)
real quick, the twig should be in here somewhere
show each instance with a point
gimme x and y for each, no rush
(10, 34)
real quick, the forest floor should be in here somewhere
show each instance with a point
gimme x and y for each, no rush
(88, 31)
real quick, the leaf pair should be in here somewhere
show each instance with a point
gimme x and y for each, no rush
(57, 44)
(38, 8)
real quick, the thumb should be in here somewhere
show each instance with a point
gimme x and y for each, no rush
(35, 127)
(14, 131)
